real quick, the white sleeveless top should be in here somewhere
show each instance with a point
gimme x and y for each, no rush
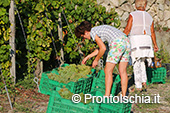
(141, 21)
(141, 44)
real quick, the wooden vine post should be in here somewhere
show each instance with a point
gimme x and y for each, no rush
(60, 34)
(12, 41)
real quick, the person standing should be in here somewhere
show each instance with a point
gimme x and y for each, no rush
(140, 28)
(119, 51)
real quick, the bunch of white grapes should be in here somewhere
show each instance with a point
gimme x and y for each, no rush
(71, 73)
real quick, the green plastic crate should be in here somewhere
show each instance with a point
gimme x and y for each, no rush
(156, 75)
(82, 85)
(101, 74)
(115, 107)
(46, 84)
(99, 85)
(87, 85)
(76, 87)
(59, 105)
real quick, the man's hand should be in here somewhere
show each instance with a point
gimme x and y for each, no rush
(155, 48)
(84, 60)
(95, 63)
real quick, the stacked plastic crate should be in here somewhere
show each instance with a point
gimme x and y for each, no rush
(156, 75)
(57, 104)
(94, 85)
(99, 84)
(82, 85)
(99, 87)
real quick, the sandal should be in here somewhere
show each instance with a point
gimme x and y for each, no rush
(136, 90)
(144, 87)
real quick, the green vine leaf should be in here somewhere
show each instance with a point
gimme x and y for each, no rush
(40, 7)
(2, 11)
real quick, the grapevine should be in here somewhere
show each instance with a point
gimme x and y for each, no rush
(39, 20)
(5, 62)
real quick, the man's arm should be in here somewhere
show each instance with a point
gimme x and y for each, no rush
(129, 25)
(102, 49)
(154, 37)
(94, 53)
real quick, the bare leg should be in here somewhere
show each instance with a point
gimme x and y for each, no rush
(108, 77)
(144, 85)
(124, 77)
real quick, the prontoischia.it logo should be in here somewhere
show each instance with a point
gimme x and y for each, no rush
(76, 98)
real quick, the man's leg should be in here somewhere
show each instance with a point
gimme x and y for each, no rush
(108, 77)
(137, 74)
(144, 76)
(124, 77)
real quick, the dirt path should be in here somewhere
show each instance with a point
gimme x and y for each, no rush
(153, 90)
(26, 101)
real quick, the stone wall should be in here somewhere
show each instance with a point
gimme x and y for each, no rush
(158, 9)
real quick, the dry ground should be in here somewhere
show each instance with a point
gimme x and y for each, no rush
(154, 89)
(30, 101)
